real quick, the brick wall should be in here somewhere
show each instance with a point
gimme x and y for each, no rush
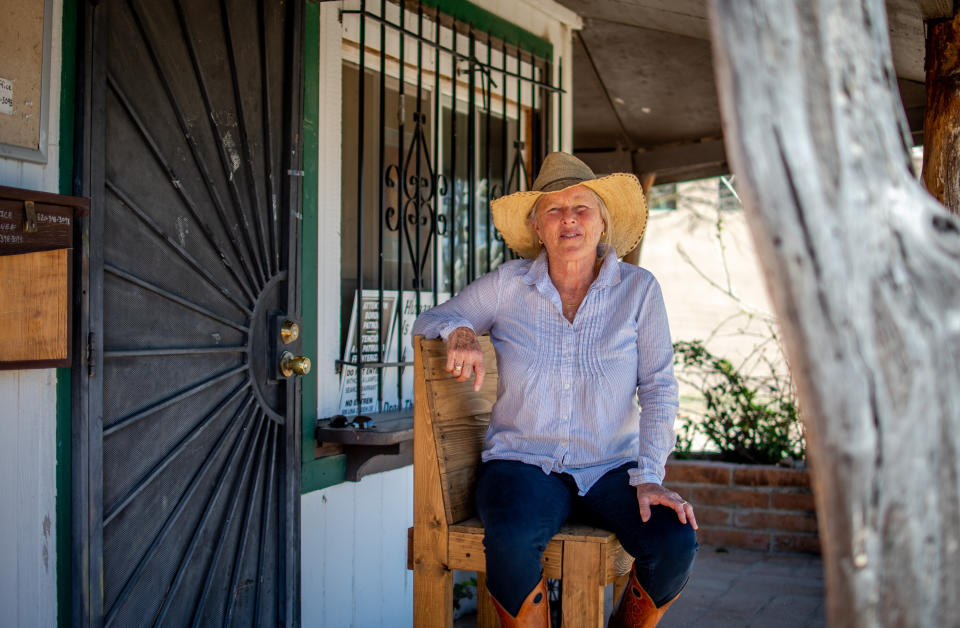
(754, 507)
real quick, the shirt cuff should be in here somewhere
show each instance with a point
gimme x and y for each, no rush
(448, 328)
(640, 476)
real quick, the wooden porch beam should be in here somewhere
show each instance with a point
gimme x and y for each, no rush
(672, 163)
(936, 9)
(646, 182)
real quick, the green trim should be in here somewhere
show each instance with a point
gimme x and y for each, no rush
(68, 89)
(495, 25)
(64, 483)
(323, 472)
(314, 473)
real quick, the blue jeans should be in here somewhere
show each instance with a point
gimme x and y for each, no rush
(522, 508)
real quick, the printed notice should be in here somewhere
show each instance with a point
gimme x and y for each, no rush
(382, 390)
(370, 336)
(6, 96)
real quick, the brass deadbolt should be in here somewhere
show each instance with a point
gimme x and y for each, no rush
(289, 332)
(294, 364)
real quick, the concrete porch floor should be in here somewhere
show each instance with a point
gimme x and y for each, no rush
(736, 588)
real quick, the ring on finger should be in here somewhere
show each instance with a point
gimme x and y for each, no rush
(684, 503)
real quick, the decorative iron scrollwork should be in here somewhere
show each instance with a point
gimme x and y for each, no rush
(417, 193)
(417, 181)
(391, 217)
(442, 189)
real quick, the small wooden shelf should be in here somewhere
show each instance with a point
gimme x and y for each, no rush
(386, 446)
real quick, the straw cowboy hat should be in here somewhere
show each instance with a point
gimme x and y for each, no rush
(621, 193)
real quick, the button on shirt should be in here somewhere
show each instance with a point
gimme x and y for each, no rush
(567, 392)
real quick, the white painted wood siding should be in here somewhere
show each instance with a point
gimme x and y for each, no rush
(28, 585)
(28, 428)
(354, 553)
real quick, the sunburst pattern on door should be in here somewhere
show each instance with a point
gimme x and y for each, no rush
(200, 230)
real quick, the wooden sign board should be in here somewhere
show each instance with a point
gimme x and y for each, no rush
(34, 317)
(36, 277)
(54, 227)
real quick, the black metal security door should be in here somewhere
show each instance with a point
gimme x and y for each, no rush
(187, 477)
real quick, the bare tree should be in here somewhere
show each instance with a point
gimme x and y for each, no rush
(863, 267)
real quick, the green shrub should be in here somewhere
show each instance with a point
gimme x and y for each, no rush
(748, 419)
(463, 590)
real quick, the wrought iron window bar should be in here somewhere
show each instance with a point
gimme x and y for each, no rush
(423, 184)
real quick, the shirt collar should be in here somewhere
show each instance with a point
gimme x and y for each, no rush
(538, 269)
(609, 275)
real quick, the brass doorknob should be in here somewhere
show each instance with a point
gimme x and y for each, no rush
(294, 364)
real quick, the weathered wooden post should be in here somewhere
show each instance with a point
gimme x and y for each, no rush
(646, 182)
(863, 267)
(941, 119)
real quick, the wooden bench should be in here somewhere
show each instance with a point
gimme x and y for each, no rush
(450, 421)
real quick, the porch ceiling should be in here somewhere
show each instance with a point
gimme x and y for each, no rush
(644, 93)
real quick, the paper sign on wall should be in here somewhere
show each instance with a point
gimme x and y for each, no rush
(370, 336)
(372, 386)
(6, 96)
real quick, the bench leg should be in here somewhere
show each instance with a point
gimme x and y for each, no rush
(582, 591)
(486, 613)
(432, 596)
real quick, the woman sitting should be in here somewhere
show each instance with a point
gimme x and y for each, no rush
(580, 338)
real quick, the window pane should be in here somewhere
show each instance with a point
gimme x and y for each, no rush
(388, 226)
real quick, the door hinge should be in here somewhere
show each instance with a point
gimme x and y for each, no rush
(90, 354)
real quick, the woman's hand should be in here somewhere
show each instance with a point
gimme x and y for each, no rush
(464, 356)
(653, 494)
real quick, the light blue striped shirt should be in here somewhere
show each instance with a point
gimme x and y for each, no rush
(567, 393)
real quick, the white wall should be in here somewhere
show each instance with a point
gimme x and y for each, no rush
(28, 586)
(354, 553)
(354, 535)
(28, 427)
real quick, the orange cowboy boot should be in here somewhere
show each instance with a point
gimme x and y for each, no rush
(636, 609)
(533, 613)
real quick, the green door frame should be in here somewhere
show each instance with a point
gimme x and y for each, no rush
(68, 102)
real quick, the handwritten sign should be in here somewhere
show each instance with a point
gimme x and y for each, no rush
(6, 96)
(54, 228)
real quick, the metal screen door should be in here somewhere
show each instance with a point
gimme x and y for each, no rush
(189, 444)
